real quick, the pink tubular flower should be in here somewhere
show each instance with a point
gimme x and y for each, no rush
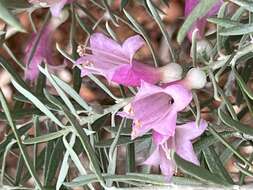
(55, 5)
(42, 53)
(43, 49)
(201, 22)
(156, 108)
(180, 143)
(115, 62)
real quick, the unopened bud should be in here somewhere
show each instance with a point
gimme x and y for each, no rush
(195, 78)
(171, 72)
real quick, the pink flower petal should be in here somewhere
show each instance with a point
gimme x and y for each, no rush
(181, 96)
(185, 150)
(94, 65)
(147, 90)
(185, 133)
(167, 124)
(190, 131)
(42, 53)
(132, 44)
(167, 166)
(102, 43)
(114, 61)
(158, 158)
(154, 159)
(159, 139)
(152, 110)
(131, 75)
(156, 108)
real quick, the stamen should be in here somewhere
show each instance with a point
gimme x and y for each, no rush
(128, 109)
(167, 151)
(88, 63)
(109, 54)
(81, 50)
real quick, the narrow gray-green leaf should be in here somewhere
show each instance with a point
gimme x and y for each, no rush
(56, 156)
(9, 18)
(14, 4)
(36, 102)
(72, 93)
(74, 156)
(47, 137)
(215, 165)
(162, 27)
(22, 148)
(198, 172)
(200, 10)
(244, 170)
(144, 178)
(243, 85)
(82, 136)
(58, 89)
(224, 142)
(64, 166)
(224, 22)
(7, 66)
(227, 153)
(237, 30)
(206, 141)
(235, 124)
(246, 4)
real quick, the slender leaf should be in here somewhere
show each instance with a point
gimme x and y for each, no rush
(198, 172)
(36, 102)
(215, 165)
(72, 93)
(65, 165)
(212, 130)
(227, 153)
(162, 27)
(200, 10)
(22, 148)
(235, 124)
(237, 30)
(206, 141)
(224, 22)
(144, 178)
(246, 4)
(55, 158)
(58, 89)
(9, 18)
(243, 85)
(47, 137)
(14, 4)
(82, 136)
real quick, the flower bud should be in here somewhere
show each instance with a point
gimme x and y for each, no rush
(195, 78)
(171, 72)
(203, 48)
